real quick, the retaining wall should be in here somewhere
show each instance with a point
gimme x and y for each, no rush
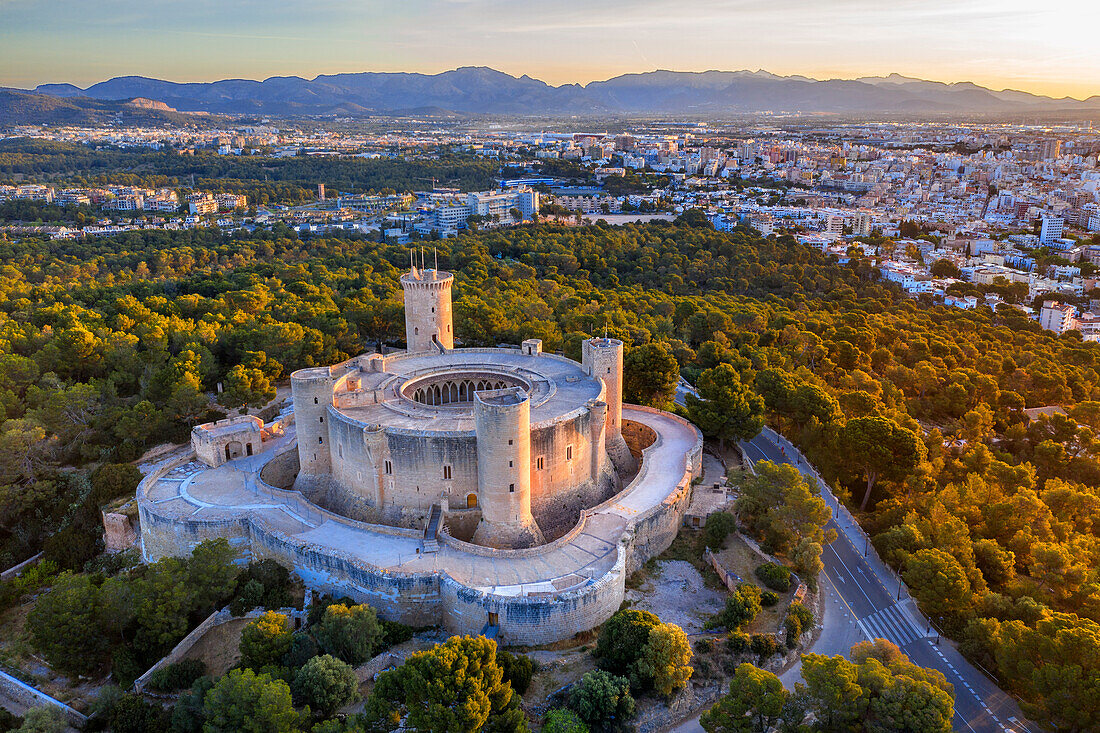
(32, 697)
(432, 598)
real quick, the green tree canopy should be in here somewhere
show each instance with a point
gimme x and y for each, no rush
(245, 702)
(753, 704)
(725, 409)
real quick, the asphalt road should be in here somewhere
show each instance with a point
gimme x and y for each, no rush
(980, 706)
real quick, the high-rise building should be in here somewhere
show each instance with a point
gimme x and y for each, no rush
(321, 191)
(1050, 149)
(1051, 230)
(1057, 317)
(864, 223)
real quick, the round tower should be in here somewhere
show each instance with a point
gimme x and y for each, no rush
(428, 320)
(602, 358)
(502, 421)
(311, 390)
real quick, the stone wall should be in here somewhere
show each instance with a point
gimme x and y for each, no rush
(400, 474)
(281, 470)
(16, 570)
(537, 618)
(118, 532)
(215, 619)
(638, 437)
(32, 697)
(430, 598)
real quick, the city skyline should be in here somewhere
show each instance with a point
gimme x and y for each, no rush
(1008, 45)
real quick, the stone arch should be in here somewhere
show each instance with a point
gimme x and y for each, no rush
(233, 449)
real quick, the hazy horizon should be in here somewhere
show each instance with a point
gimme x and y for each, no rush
(518, 74)
(1010, 44)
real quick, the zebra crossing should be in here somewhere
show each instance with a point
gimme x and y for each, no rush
(890, 624)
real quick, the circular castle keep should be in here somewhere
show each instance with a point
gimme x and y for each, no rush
(505, 491)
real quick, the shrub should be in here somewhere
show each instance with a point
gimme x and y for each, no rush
(602, 700)
(244, 701)
(249, 596)
(125, 666)
(742, 606)
(804, 615)
(704, 645)
(623, 638)
(769, 598)
(792, 628)
(775, 576)
(177, 675)
(737, 642)
(764, 645)
(394, 633)
(45, 719)
(187, 715)
(303, 647)
(265, 641)
(518, 669)
(563, 720)
(265, 583)
(350, 633)
(326, 684)
(717, 528)
(131, 714)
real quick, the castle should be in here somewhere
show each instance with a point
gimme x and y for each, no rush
(522, 440)
(505, 490)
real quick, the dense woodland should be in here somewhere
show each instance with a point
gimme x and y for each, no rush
(262, 178)
(916, 412)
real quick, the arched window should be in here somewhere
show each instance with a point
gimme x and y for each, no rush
(416, 331)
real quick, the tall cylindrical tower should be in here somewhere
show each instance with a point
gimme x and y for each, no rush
(428, 319)
(602, 358)
(502, 421)
(311, 390)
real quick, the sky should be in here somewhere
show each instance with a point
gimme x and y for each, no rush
(1044, 47)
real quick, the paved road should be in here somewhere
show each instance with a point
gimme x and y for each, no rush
(980, 706)
(862, 595)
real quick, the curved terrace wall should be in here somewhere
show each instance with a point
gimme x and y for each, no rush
(429, 598)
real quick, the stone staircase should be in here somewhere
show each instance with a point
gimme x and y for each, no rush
(430, 543)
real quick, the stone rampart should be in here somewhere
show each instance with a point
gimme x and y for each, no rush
(215, 619)
(433, 597)
(534, 618)
(32, 697)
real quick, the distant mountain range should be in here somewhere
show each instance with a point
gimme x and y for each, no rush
(480, 90)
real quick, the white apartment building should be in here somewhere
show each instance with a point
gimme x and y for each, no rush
(1051, 230)
(501, 203)
(1057, 317)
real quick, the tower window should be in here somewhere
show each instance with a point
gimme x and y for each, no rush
(509, 441)
(446, 472)
(539, 463)
(509, 464)
(433, 309)
(320, 439)
(568, 452)
(511, 488)
(322, 418)
(389, 467)
(315, 400)
(609, 370)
